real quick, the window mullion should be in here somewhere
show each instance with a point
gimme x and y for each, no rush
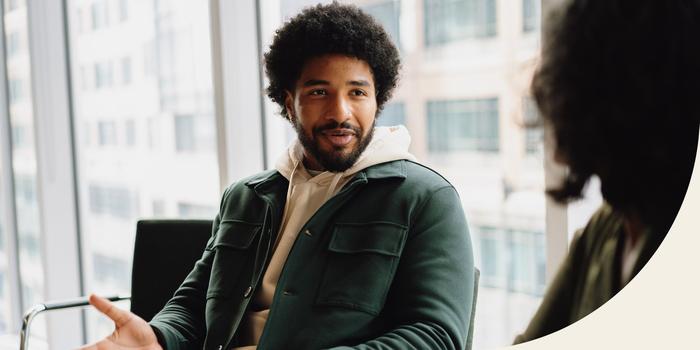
(237, 89)
(55, 166)
(8, 211)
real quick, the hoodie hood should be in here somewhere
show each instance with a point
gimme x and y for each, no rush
(388, 144)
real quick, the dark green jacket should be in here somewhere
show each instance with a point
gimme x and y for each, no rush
(385, 264)
(590, 274)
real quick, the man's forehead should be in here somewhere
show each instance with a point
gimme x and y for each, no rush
(321, 70)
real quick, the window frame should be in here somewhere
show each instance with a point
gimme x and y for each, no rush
(8, 212)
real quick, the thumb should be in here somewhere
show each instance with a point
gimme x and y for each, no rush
(119, 316)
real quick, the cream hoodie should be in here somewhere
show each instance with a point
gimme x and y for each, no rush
(307, 192)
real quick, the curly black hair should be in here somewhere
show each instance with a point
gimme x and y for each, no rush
(330, 29)
(619, 83)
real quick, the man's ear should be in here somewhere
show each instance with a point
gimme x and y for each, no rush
(289, 105)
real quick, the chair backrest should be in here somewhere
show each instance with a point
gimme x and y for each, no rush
(164, 253)
(470, 334)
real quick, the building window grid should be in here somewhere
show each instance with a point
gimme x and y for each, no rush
(99, 14)
(451, 20)
(512, 260)
(106, 133)
(126, 70)
(19, 136)
(16, 93)
(130, 132)
(463, 125)
(123, 10)
(388, 13)
(531, 15)
(185, 137)
(534, 132)
(115, 201)
(14, 4)
(104, 74)
(14, 43)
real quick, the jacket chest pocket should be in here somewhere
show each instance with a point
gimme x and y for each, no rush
(232, 256)
(362, 259)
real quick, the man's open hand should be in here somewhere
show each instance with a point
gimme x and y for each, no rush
(131, 332)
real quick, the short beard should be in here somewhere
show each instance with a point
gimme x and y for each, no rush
(334, 161)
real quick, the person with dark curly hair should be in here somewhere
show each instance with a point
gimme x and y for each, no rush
(619, 86)
(348, 242)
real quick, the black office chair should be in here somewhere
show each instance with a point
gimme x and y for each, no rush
(164, 253)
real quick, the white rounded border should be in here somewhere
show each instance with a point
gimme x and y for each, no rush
(660, 307)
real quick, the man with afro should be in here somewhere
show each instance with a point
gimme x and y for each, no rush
(348, 242)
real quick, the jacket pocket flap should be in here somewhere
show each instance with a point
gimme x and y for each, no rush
(235, 234)
(379, 237)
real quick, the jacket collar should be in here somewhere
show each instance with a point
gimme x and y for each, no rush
(393, 169)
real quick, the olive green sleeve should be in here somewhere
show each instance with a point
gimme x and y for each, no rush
(555, 310)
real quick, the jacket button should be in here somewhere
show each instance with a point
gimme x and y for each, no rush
(307, 232)
(247, 291)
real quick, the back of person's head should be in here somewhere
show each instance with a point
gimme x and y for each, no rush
(330, 29)
(619, 83)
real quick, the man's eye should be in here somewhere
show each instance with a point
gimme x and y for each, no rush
(318, 92)
(358, 92)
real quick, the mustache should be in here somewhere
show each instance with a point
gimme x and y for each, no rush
(333, 125)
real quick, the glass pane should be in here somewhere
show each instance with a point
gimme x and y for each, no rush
(5, 298)
(145, 127)
(24, 162)
(393, 114)
(463, 95)
(453, 20)
(531, 15)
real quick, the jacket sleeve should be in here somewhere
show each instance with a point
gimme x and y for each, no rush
(431, 295)
(180, 324)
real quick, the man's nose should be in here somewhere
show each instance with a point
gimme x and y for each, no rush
(339, 109)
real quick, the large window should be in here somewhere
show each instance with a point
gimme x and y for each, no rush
(451, 20)
(144, 115)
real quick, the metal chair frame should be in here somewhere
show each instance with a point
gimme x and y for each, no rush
(52, 306)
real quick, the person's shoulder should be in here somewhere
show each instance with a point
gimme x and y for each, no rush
(603, 225)
(605, 219)
(422, 176)
(247, 183)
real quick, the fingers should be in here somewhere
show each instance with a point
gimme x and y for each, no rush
(119, 316)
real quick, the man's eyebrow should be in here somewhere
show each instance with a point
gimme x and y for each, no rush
(358, 82)
(312, 82)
